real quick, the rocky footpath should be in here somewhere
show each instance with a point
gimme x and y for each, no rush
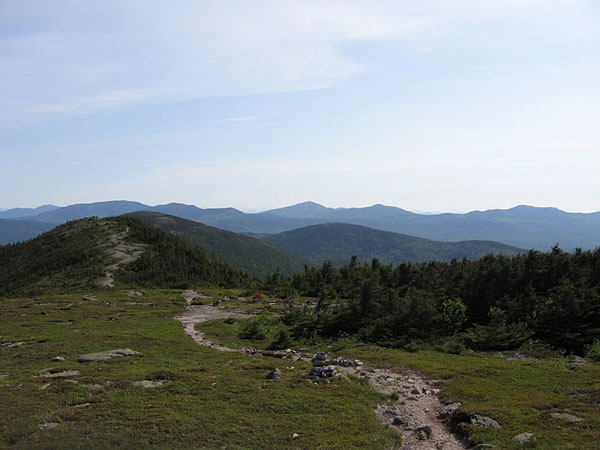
(413, 409)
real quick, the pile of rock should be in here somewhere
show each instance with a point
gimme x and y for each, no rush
(320, 369)
(321, 360)
(325, 368)
(323, 372)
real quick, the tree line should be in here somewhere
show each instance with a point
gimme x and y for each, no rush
(497, 302)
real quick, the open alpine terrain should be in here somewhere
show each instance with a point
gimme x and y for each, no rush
(106, 319)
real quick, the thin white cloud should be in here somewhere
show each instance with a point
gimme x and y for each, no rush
(81, 105)
(233, 119)
(74, 57)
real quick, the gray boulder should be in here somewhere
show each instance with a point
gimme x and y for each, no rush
(522, 438)
(274, 375)
(55, 374)
(148, 384)
(103, 356)
(484, 421)
(448, 410)
(567, 417)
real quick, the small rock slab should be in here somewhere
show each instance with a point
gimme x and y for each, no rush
(47, 425)
(134, 294)
(274, 375)
(567, 417)
(448, 410)
(65, 374)
(522, 438)
(12, 344)
(103, 356)
(149, 384)
(484, 421)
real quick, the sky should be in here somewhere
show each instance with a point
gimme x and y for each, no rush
(429, 105)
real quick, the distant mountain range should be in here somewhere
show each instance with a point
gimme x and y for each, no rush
(251, 255)
(522, 226)
(16, 230)
(17, 213)
(338, 242)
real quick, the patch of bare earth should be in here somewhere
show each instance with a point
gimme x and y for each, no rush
(413, 410)
(120, 253)
(195, 314)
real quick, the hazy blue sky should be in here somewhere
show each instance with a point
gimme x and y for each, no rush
(431, 105)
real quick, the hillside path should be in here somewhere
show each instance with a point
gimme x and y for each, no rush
(416, 412)
(121, 253)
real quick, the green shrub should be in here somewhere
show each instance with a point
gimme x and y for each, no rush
(283, 340)
(453, 345)
(593, 351)
(538, 349)
(498, 334)
(261, 328)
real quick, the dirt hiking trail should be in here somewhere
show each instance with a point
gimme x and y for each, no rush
(121, 253)
(414, 414)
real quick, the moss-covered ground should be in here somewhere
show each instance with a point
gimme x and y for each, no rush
(209, 399)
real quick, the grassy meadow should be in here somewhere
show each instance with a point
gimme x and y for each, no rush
(209, 400)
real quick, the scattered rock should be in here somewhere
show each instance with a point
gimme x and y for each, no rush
(134, 294)
(45, 386)
(566, 417)
(319, 357)
(448, 410)
(399, 420)
(149, 383)
(81, 405)
(295, 435)
(274, 375)
(64, 374)
(94, 387)
(12, 344)
(58, 359)
(423, 432)
(484, 421)
(47, 425)
(522, 438)
(103, 356)
(88, 298)
(328, 373)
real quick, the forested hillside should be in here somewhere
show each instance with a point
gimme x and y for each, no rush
(338, 242)
(76, 255)
(251, 255)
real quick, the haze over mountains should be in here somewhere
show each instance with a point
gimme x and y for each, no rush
(522, 226)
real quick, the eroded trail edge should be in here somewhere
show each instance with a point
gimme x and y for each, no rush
(414, 407)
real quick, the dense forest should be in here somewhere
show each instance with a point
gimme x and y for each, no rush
(495, 303)
(248, 254)
(172, 261)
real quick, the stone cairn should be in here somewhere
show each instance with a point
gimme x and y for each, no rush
(325, 369)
